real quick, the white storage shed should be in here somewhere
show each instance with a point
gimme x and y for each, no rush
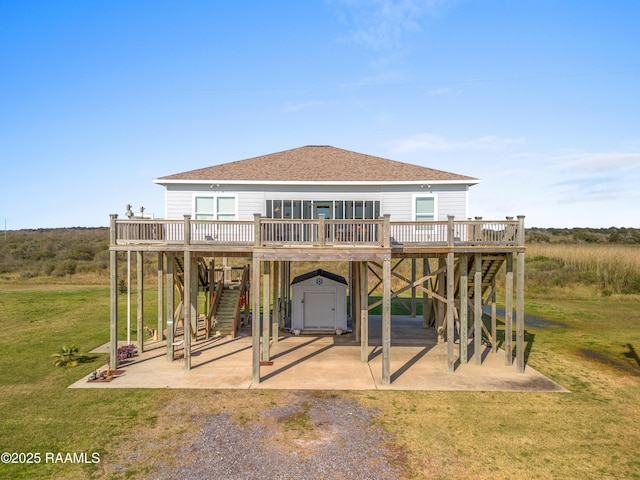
(319, 302)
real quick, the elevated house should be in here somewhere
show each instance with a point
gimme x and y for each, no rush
(321, 203)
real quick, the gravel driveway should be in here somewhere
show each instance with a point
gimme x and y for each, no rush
(311, 437)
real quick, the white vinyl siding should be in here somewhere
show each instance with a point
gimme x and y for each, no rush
(397, 201)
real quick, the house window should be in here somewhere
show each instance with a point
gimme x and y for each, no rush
(226, 208)
(215, 208)
(425, 209)
(204, 208)
(332, 209)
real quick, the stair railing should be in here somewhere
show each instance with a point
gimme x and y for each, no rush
(217, 293)
(238, 308)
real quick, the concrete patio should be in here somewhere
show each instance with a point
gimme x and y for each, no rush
(326, 363)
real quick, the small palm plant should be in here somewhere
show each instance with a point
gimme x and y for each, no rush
(66, 356)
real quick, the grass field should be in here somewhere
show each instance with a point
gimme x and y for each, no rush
(591, 349)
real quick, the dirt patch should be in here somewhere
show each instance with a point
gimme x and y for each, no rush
(292, 435)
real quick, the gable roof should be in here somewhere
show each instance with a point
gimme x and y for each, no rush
(319, 273)
(316, 164)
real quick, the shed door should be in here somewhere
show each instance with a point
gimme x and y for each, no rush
(319, 310)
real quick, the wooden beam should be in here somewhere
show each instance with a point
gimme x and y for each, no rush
(316, 254)
(364, 312)
(193, 301)
(494, 326)
(255, 320)
(140, 304)
(210, 301)
(186, 309)
(169, 298)
(450, 310)
(520, 314)
(413, 288)
(161, 297)
(386, 322)
(426, 310)
(477, 314)
(508, 312)
(275, 319)
(440, 311)
(355, 299)
(113, 297)
(464, 306)
(266, 311)
(282, 305)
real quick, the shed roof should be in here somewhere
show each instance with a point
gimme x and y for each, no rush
(319, 273)
(316, 164)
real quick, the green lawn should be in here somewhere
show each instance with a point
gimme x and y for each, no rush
(591, 432)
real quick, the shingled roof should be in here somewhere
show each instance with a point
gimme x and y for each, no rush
(315, 163)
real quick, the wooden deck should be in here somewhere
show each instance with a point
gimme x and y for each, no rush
(469, 254)
(319, 239)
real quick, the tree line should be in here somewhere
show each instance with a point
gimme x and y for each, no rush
(60, 252)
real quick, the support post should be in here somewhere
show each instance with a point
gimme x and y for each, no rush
(426, 310)
(450, 310)
(128, 296)
(193, 302)
(439, 306)
(275, 319)
(494, 326)
(322, 233)
(161, 298)
(355, 299)
(386, 322)
(520, 300)
(140, 304)
(386, 231)
(255, 319)
(413, 288)
(266, 311)
(286, 313)
(187, 230)
(364, 311)
(113, 297)
(282, 305)
(170, 285)
(508, 312)
(211, 278)
(464, 305)
(257, 240)
(477, 311)
(186, 308)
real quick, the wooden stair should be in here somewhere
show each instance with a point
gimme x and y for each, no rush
(490, 268)
(226, 310)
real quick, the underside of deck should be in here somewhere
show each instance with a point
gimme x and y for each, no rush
(456, 279)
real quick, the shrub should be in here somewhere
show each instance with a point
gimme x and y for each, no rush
(66, 356)
(66, 267)
(124, 352)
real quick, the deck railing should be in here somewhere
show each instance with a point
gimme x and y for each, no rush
(320, 232)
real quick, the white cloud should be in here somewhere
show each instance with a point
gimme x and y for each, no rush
(430, 141)
(601, 162)
(382, 24)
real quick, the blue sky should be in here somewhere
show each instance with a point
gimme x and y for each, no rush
(540, 99)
